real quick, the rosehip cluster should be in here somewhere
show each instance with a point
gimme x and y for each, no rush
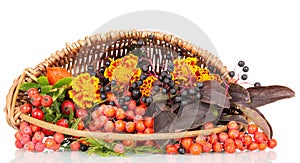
(229, 141)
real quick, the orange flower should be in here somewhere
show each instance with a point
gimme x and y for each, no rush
(123, 70)
(147, 85)
(84, 90)
(187, 72)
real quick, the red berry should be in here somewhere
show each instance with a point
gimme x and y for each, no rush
(230, 148)
(206, 147)
(259, 137)
(81, 113)
(18, 135)
(131, 105)
(171, 149)
(120, 125)
(232, 125)
(213, 138)
(63, 123)
(120, 114)
(56, 147)
(47, 132)
(151, 143)
(130, 127)
(25, 138)
(38, 136)
(80, 125)
(36, 100)
(18, 144)
(253, 146)
(32, 91)
(37, 113)
(195, 149)
(272, 143)
(140, 126)
(149, 121)
(129, 114)
(127, 142)
(58, 137)
(39, 146)
(67, 106)
(149, 131)
(262, 145)
(252, 128)
(109, 126)
(27, 130)
(233, 133)
(186, 142)
(119, 148)
(239, 144)
(26, 108)
(75, 146)
(50, 143)
(139, 111)
(35, 128)
(223, 136)
(96, 114)
(110, 111)
(228, 142)
(29, 146)
(23, 124)
(138, 118)
(217, 147)
(247, 140)
(95, 125)
(46, 101)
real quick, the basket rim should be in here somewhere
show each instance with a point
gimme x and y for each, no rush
(14, 115)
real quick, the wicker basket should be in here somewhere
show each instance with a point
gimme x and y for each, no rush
(92, 50)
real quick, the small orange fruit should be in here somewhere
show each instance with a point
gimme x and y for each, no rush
(54, 74)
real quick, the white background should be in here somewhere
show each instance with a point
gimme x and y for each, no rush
(263, 33)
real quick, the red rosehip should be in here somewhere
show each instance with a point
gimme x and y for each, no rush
(29, 146)
(37, 113)
(252, 128)
(26, 108)
(232, 125)
(75, 146)
(36, 100)
(120, 125)
(223, 136)
(35, 128)
(253, 146)
(18, 144)
(217, 147)
(230, 148)
(27, 130)
(67, 106)
(58, 137)
(32, 91)
(149, 121)
(272, 143)
(120, 114)
(39, 146)
(81, 113)
(63, 123)
(233, 133)
(38, 136)
(46, 101)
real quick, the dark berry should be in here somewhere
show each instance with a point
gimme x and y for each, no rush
(245, 68)
(169, 76)
(143, 76)
(179, 53)
(199, 85)
(151, 37)
(124, 107)
(127, 98)
(231, 73)
(101, 70)
(107, 63)
(134, 85)
(257, 84)
(83, 147)
(145, 68)
(111, 103)
(171, 83)
(161, 78)
(139, 83)
(184, 93)
(244, 77)
(164, 90)
(102, 96)
(102, 90)
(156, 88)
(121, 101)
(144, 99)
(107, 88)
(166, 81)
(113, 83)
(173, 91)
(177, 99)
(183, 102)
(197, 96)
(169, 57)
(191, 91)
(164, 74)
(181, 150)
(149, 100)
(105, 81)
(140, 43)
(241, 63)
(93, 73)
(90, 68)
(136, 94)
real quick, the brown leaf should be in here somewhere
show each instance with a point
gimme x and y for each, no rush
(238, 93)
(213, 93)
(267, 94)
(257, 117)
(163, 120)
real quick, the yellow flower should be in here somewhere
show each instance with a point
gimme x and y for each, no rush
(84, 90)
(147, 85)
(123, 70)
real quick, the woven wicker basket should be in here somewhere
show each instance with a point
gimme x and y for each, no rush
(76, 57)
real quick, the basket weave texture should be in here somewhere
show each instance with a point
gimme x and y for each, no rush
(93, 50)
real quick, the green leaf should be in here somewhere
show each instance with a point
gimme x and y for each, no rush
(58, 93)
(62, 82)
(28, 85)
(71, 115)
(57, 117)
(75, 123)
(45, 89)
(42, 80)
(49, 117)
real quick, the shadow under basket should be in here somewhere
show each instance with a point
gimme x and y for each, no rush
(93, 50)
